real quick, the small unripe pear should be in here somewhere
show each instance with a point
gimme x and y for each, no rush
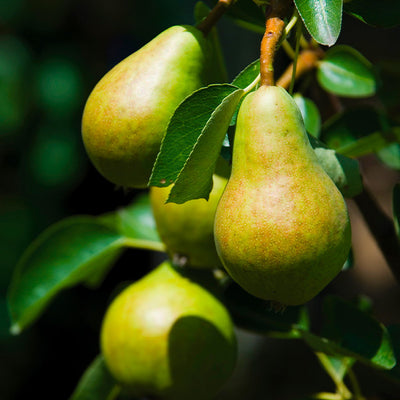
(188, 229)
(166, 337)
(127, 113)
(282, 230)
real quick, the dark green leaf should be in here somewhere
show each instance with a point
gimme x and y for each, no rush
(394, 332)
(345, 72)
(64, 255)
(193, 142)
(96, 383)
(74, 251)
(385, 14)
(344, 171)
(257, 315)
(350, 332)
(244, 79)
(390, 155)
(322, 18)
(396, 208)
(310, 113)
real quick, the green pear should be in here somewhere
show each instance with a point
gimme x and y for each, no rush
(282, 229)
(188, 229)
(166, 337)
(127, 113)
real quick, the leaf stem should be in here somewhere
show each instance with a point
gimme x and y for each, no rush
(341, 387)
(354, 384)
(296, 57)
(382, 229)
(274, 29)
(213, 16)
(144, 244)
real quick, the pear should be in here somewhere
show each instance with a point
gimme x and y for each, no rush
(187, 229)
(127, 113)
(166, 337)
(281, 229)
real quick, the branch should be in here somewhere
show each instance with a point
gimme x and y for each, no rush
(307, 60)
(274, 29)
(213, 16)
(382, 228)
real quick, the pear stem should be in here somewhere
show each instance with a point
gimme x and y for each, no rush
(213, 16)
(382, 228)
(306, 61)
(274, 29)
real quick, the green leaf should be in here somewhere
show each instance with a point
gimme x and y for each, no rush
(385, 14)
(322, 18)
(193, 142)
(350, 332)
(394, 331)
(96, 383)
(390, 155)
(256, 315)
(310, 113)
(76, 250)
(396, 208)
(344, 171)
(244, 79)
(345, 72)
(64, 255)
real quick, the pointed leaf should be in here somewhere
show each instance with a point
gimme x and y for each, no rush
(344, 171)
(310, 113)
(322, 18)
(96, 383)
(345, 72)
(73, 251)
(193, 142)
(386, 15)
(350, 332)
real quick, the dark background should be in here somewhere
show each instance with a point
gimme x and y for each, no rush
(52, 53)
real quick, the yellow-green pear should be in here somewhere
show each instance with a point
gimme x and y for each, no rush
(282, 229)
(188, 229)
(166, 337)
(127, 113)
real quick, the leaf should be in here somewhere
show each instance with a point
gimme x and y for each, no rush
(384, 15)
(344, 171)
(76, 250)
(396, 208)
(390, 155)
(345, 72)
(310, 113)
(248, 75)
(394, 331)
(96, 383)
(322, 18)
(350, 332)
(193, 142)
(256, 315)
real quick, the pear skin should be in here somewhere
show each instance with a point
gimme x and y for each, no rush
(188, 229)
(127, 113)
(167, 337)
(281, 229)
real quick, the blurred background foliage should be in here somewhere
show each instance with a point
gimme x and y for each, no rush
(52, 53)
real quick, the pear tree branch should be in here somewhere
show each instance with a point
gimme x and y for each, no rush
(306, 61)
(382, 229)
(214, 15)
(274, 29)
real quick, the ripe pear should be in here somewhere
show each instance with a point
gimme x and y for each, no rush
(166, 337)
(187, 229)
(127, 113)
(281, 229)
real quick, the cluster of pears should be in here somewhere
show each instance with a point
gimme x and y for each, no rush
(166, 337)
